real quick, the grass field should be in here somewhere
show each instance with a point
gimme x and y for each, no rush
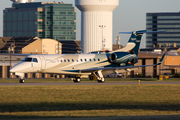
(98, 100)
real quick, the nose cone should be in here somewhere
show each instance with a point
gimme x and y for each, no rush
(12, 70)
(15, 68)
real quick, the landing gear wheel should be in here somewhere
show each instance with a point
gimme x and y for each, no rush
(21, 81)
(101, 81)
(77, 80)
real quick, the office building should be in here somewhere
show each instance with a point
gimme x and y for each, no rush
(167, 22)
(54, 20)
(29, 45)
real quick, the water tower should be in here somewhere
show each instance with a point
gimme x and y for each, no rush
(96, 24)
(21, 1)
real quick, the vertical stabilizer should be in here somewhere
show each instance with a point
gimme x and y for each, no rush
(134, 41)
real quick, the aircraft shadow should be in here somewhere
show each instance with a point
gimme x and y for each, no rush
(158, 117)
(86, 106)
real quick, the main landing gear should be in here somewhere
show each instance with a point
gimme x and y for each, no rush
(100, 80)
(100, 77)
(97, 76)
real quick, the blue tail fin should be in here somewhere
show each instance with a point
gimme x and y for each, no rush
(135, 40)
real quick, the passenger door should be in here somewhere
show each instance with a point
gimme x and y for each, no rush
(43, 62)
(35, 64)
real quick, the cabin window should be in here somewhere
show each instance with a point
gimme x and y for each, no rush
(64, 60)
(94, 59)
(98, 59)
(61, 61)
(89, 59)
(68, 60)
(85, 60)
(72, 60)
(35, 60)
(81, 60)
(77, 61)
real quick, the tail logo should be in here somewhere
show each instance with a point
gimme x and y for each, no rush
(133, 38)
(138, 41)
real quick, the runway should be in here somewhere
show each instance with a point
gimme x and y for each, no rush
(88, 83)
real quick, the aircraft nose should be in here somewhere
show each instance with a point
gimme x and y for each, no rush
(12, 70)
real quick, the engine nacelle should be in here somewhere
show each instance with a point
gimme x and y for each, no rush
(122, 57)
(113, 58)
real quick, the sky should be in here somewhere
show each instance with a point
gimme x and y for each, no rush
(129, 16)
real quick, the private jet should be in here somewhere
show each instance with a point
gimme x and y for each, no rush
(92, 65)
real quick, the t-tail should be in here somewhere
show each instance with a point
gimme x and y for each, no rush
(134, 41)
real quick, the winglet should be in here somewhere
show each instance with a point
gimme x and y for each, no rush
(162, 58)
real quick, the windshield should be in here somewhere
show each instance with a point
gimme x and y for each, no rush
(27, 59)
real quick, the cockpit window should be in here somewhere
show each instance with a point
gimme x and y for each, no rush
(35, 60)
(27, 59)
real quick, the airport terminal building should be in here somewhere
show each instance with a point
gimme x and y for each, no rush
(54, 20)
(169, 22)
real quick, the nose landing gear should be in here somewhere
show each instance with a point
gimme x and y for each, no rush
(77, 79)
(21, 81)
(21, 75)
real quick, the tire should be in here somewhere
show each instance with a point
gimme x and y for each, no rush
(21, 81)
(78, 80)
(75, 81)
(101, 81)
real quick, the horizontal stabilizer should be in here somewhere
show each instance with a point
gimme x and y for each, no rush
(160, 61)
(141, 32)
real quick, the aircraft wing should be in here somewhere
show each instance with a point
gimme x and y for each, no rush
(121, 67)
(113, 68)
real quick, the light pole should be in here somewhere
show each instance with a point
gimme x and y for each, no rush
(118, 43)
(10, 54)
(11, 50)
(102, 27)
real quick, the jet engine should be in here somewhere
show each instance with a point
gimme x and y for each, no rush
(122, 57)
(113, 58)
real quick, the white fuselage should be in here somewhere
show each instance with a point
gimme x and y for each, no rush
(60, 64)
